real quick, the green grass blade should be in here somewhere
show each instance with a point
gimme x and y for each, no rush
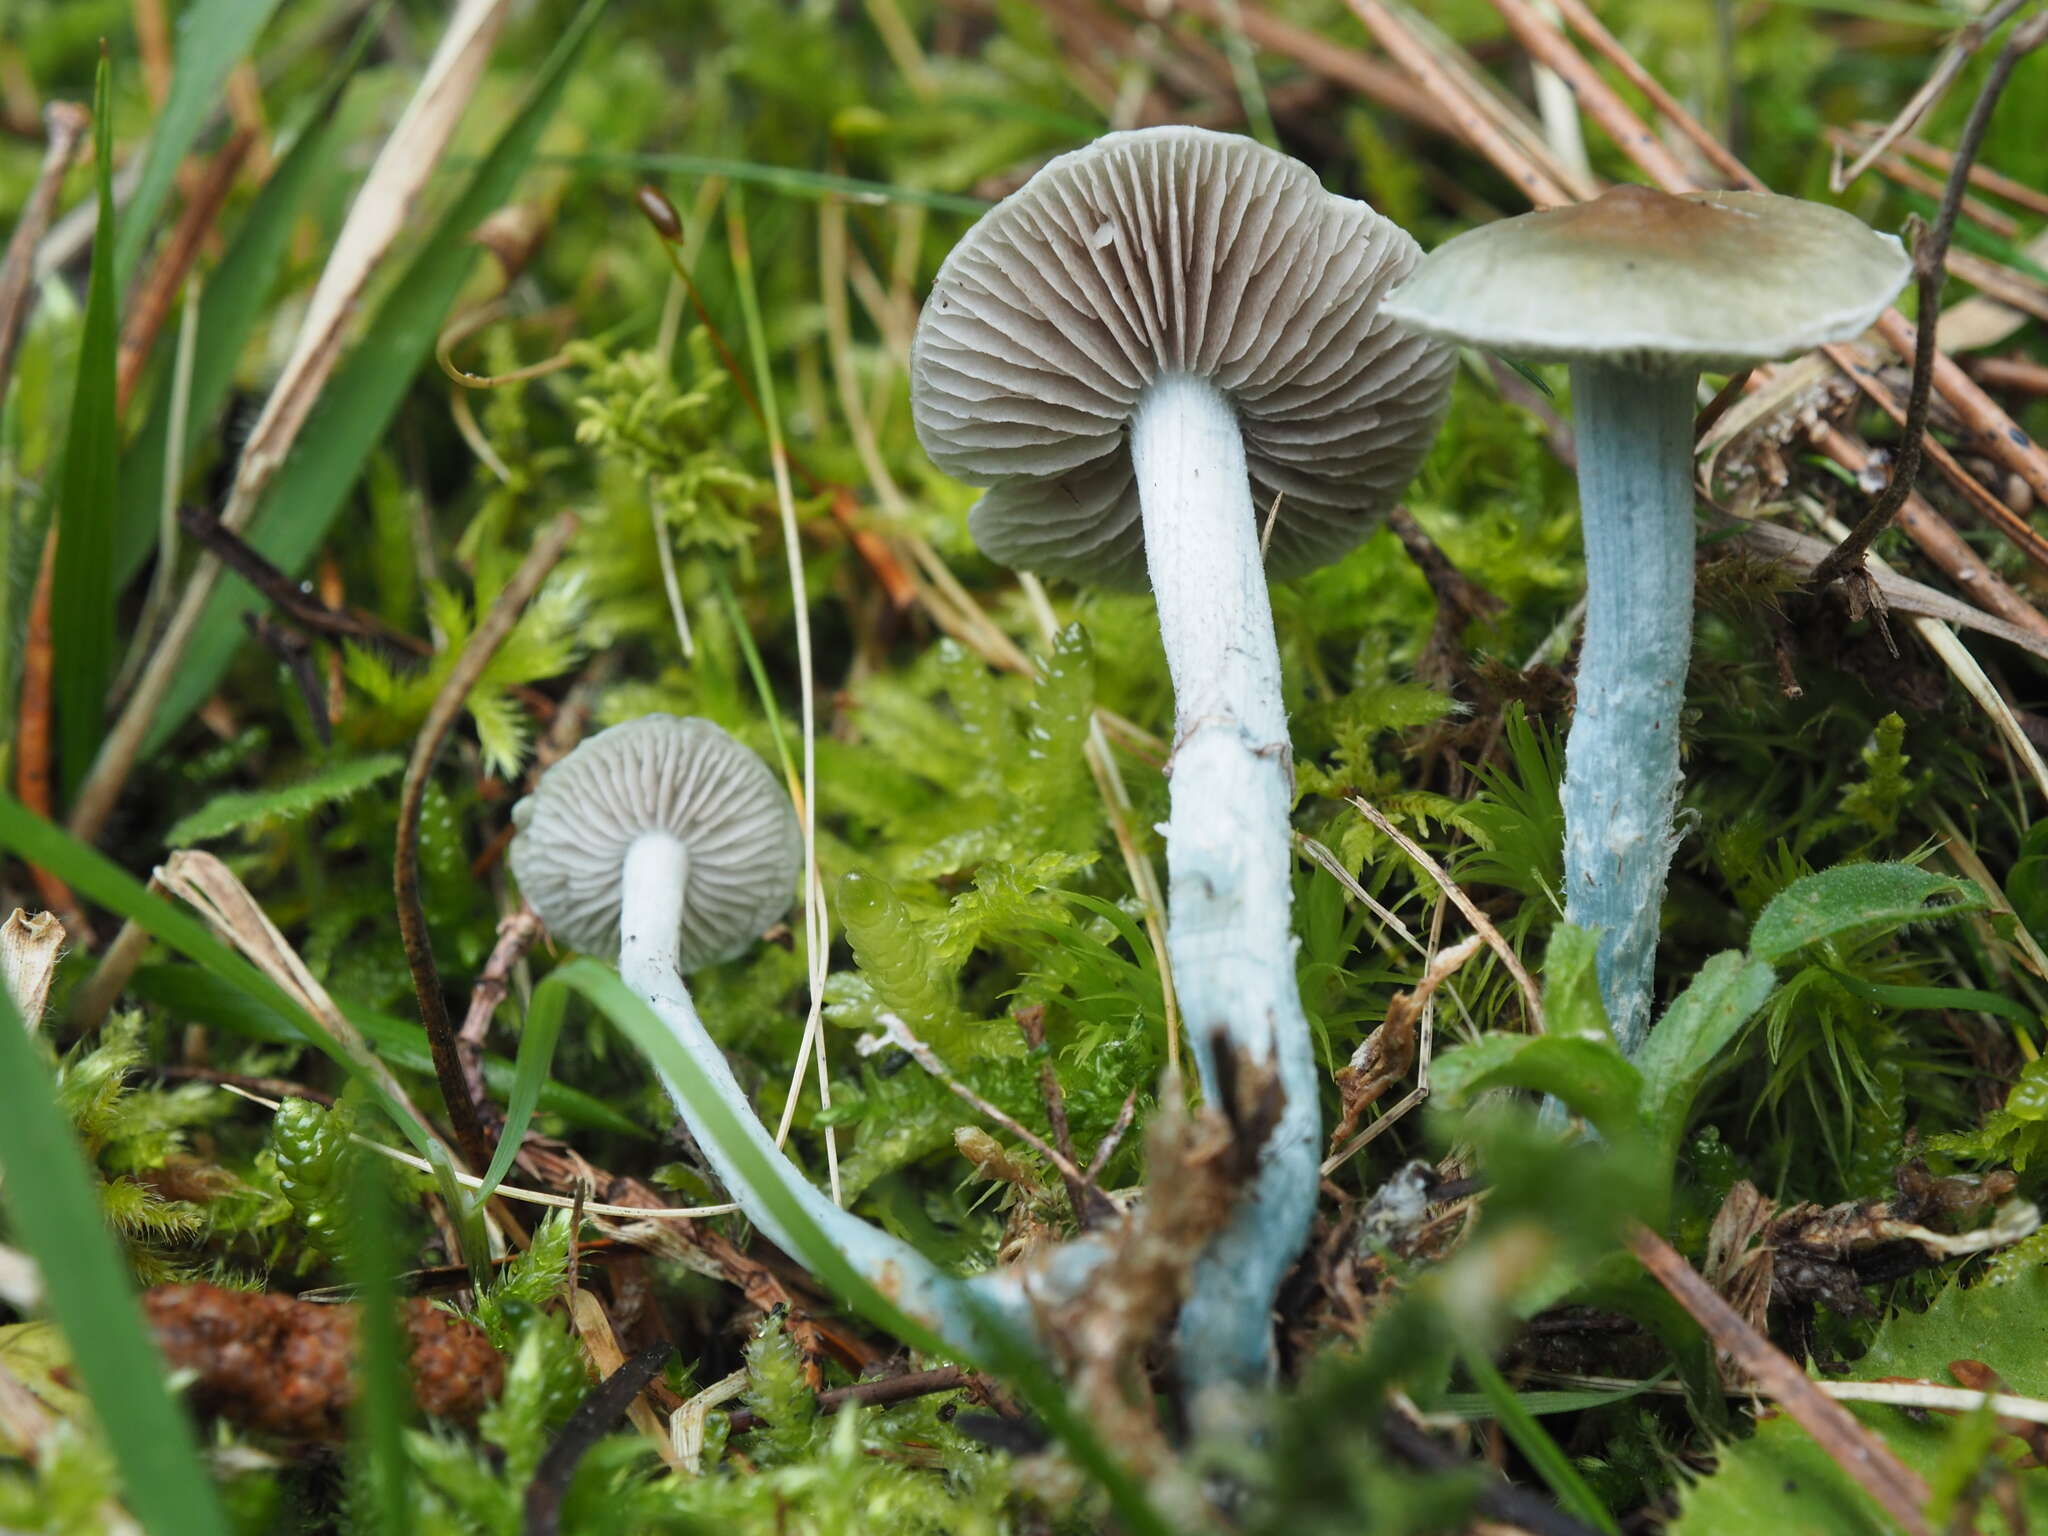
(203, 997)
(785, 179)
(236, 297)
(713, 1120)
(383, 1402)
(365, 393)
(54, 1210)
(1534, 1442)
(98, 879)
(82, 587)
(212, 36)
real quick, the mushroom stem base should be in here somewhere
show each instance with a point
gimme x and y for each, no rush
(964, 1313)
(1621, 758)
(1229, 859)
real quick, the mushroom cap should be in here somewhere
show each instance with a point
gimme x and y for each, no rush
(1172, 250)
(659, 773)
(1655, 281)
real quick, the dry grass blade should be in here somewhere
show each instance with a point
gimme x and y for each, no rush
(380, 213)
(1860, 1454)
(1473, 123)
(469, 667)
(1532, 1000)
(1951, 63)
(29, 947)
(1981, 176)
(67, 124)
(1403, 1038)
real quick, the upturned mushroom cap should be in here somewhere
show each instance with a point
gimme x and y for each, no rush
(1653, 281)
(1172, 250)
(659, 773)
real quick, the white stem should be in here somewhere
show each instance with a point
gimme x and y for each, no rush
(1621, 758)
(959, 1311)
(1228, 855)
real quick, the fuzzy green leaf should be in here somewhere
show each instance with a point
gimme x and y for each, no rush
(1694, 1030)
(241, 808)
(1858, 900)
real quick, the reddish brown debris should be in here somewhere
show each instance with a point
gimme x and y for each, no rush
(284, 1367)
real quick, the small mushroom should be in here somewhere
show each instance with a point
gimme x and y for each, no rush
(1161, 346)
(666, 841)
(1639, 291)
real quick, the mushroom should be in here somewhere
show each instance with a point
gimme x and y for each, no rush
(1158, 341)
(667, 841)
(1639, 290)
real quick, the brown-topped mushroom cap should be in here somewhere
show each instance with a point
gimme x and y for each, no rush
(1153, 252)
(1650, 280)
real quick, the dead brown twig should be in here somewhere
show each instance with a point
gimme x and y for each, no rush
(1900, 1491)
(66, 124)
(412, 920)
(516, 935)
(1929, 273)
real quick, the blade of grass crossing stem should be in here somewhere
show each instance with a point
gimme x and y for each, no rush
(237, 294)
(53, 1206)
(98, 879)
(82, 586)
(212, 36)
(817, 931)
(366, 392)
(1534, 1442)
(755, 668)
(711, 1119)
(382, 1400)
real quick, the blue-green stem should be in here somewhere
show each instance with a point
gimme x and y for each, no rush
(1621, 758)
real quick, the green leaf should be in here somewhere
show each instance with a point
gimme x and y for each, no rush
(82, 584)
(1694, 1030)
(240, 808)
(54, 1209)
(1589, 1076)
(1572, 1007)
(366, 391)
(236, 296)
(1859, 900)
(212, 36)
(204, 997)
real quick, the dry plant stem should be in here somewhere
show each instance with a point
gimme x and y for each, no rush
(375, 220)
(1953, 58)
(67, 124)
(1854, 1448)
(2014, 373)
(1981, 176)
(516, 935)
(1929, 272)
(1901, 1394)
(877, 1393)
(1580, 18)
(412, 919)
(1532, 1000)
(152, 303)
(1474, 125)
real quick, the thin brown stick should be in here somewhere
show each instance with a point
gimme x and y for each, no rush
(1867, 1460)
(153, 300)
(412, 919)
(1547, 45)
(1938, 541)
(1347, 67)
(878, 1393)
(2015, 373)
(1981, 176)
(66, 124)
(1953, 58)
(1929, 274)
(1582, 21)
(1112, 1138)
(1472, 124)
(1896, 169)
(516, 935)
